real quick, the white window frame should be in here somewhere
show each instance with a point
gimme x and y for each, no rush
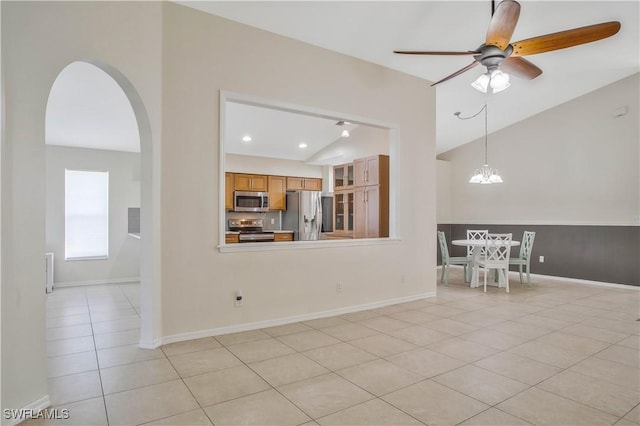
(99, 251)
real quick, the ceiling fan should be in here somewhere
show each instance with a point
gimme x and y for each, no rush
(497, 53)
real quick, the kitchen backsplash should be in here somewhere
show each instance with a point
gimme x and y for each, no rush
(272, 220)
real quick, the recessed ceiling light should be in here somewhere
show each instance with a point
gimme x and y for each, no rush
(246, 138)
(302, 145)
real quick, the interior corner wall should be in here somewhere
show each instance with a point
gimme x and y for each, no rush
(204, 55)
(38, 40)
(123, 263)
(443, 191)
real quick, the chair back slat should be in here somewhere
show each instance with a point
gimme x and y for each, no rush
(527, 244)
(444, 249)
(498, 248)
(476, 234)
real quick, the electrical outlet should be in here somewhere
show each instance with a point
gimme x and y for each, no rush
(541, 260)
(273, 221)
(338, 287)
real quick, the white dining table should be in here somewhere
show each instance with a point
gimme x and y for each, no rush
(474, 282)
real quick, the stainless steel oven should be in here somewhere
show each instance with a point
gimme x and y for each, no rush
(246, 201)
(250, 230)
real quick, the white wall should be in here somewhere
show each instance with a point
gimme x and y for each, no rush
(204, 55)
(124, 191)
(178, 60)
(127, 37)
(573, 164)
(270, 166)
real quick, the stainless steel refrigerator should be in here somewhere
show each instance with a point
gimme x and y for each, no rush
(303, 215)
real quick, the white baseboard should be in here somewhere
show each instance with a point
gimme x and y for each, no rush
(280, 321)
(150, 344)
(97, 282)
(583, 282)
(565, 279)
(33, 407)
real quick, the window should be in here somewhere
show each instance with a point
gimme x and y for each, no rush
(86, 214)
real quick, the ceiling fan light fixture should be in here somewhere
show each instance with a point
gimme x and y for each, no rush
(499, 81)
(482, 83)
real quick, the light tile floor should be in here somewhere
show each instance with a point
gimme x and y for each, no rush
(554, 354)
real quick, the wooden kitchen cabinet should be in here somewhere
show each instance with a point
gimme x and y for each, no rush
(371, 211)
(304, 184)
(232, 238)
(371, 199)
(343, 177)
(228, 191)
(371, 170)
(283, 236)
(343, 213)
(247, 182)
(277, 192)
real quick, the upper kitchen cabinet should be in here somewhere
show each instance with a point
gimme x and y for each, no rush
(371, 170)
(228, 190)
(277, 192)
(343, 177)
(304, 184)
(247, 182)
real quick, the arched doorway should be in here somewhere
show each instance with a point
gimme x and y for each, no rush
(131, 127)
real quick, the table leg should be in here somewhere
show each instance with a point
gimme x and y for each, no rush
(475, 275)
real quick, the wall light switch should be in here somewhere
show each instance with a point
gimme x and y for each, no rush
(541, 260)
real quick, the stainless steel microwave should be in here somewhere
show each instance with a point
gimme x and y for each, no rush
(245, 201)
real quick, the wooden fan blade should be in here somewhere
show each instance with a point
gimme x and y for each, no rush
(564, 39)
(417, 52)
(457, 73)
(520, 67)
(503, 23)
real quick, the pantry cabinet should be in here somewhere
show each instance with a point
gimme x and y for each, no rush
(371, 199)
(277, 193)
(371, 211)
(303, 184)
(371, 170)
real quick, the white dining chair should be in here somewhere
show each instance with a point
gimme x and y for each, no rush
(475, 234)
(447, 260)
(525, 255)
(497, 252)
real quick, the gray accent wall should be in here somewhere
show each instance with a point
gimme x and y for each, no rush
(608, 254)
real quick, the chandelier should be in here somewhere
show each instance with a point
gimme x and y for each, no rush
(484, 175)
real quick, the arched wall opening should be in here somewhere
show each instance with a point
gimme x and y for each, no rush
(132, 118)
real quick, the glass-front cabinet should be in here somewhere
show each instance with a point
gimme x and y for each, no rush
(343, 177)
(343, 213)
